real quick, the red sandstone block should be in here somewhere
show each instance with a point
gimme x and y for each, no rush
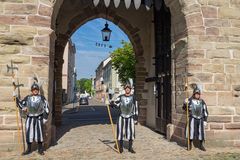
(196, 53)
(227, 134)
(17, 136)
(10, 120)
(45, 10)
(196, 31)
(217, 22)
(42, 41)
(6, 136)
(178, 132)
(179, 140)
(216, 126)
(209, 98)
(8, 127)
(194, 20)
(237, 143)
(179, 124)
(219, 143)
(212, 31)
(219, 119)
(209, 134)
(39, 21)
(209, 12)
(40, 60)
(12, 8)
(236, 118)
(7, 19)
(1, 120)
(232, 126)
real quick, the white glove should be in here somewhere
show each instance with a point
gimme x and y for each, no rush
(135, 122)
(25, 109)
(44, 121)
(205, 123)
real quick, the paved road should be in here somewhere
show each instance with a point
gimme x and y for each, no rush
(91, 114)
(86, 134)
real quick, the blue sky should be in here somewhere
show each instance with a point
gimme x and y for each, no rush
(88, 55)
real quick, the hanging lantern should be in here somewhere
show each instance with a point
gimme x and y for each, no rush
(106, 33)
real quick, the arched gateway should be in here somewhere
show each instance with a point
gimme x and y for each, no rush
(170, 40)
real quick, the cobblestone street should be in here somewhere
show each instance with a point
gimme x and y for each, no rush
(87, 134)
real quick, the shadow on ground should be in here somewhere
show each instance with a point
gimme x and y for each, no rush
(84, 115)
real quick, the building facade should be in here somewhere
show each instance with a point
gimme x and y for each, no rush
(170, 40)
(69, 73)
(99, 89)
(111, 79)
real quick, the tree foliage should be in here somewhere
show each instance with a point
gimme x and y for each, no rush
(123, 61)
(84, 84)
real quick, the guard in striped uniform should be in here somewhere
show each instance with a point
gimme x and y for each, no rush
(36, 108)
(198, 114)
(128, 117)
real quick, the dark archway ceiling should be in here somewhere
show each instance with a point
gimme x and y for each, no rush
(73, 13)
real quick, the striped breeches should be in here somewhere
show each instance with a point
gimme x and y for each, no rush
(34, 129)
(196, 129)
(125, 128)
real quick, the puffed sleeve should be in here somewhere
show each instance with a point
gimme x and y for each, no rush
(135, 110)
(22, 103)
(117, 102)
(205, 111)
(46, 105)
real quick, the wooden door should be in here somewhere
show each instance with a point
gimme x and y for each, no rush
(163, 67)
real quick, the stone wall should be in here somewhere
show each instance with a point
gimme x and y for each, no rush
(212, 54)
(24, 40)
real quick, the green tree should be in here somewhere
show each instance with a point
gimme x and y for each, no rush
(123, 61)
(84, 84)
(88, 85)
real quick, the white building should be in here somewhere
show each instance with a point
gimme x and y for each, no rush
(69, 73)
(111, 79)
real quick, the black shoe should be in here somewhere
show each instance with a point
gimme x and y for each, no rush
(120, 145)
(40, 148)
(120, 149)
(130, 148)
(28, 151)
(41, 152)
(202, 148)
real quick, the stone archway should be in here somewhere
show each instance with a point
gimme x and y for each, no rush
(88, 13)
